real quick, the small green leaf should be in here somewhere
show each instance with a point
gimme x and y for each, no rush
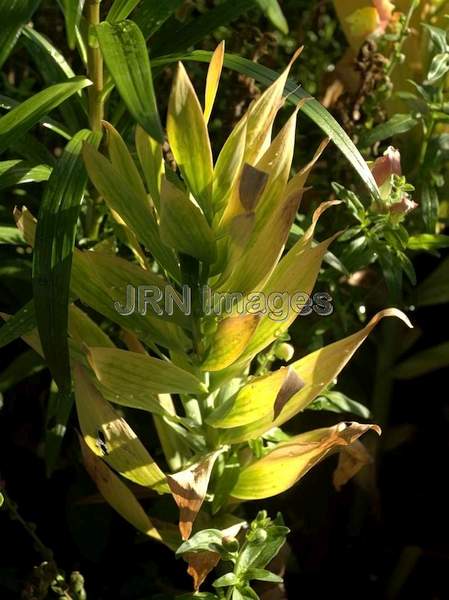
(21, 118)
(225, 580)
(396, 125)
(126, 56)
(427, 241)
(10, 235)
(274, 13)
(203, 540)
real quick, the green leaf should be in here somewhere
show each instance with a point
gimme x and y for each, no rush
(52, 260)
(10, 235)
(72, 15)
(15, 172)
(396, 125)
(51, 124)
(340, 403)
(54, 68)
(427, 241)
(263, 575)
(59, 408)
(203, 540)
(15, 14)
(120, 9)
(125, 53)
(26, 364)
(312, 108)
(225, 580)
(435, 288)
(21, 118)
(429, 206)
(178, 39)
(438, 68)
(274, 13)
(18, 325)
(152, 14)
(424, 362)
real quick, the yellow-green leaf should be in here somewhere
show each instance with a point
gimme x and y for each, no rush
(284, 466)
(133, 208)
(229, 341)
(116, 493)
(138, 374)
(110, 437)
(189, 140)
(149, 152)
(212, 80)
(317, 370)
(183, 225)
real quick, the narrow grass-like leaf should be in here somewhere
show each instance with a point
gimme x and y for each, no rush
(52, 260)
(149, 152)
(152, 14)
(72, 15)
(125, 53)
(172, 39)
(59, 407)
(24, 365)
(21, 118)
(312, 108)
(121, 9)
(16, 172)
(273, 12)
(54, 68)
(15, 14)
(10, 235)
(17, 325)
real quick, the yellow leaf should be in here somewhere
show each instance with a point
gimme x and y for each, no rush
(229, 341)
(116, 493)
(189, 140)
(213, 78)
(110, 437)
(282, 467)
(317, 370)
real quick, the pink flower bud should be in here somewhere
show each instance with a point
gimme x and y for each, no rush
(387, 165)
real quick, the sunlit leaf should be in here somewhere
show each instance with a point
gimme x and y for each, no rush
(212, 80)
(289, 461)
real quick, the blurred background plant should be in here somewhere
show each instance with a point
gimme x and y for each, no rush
(380, 67)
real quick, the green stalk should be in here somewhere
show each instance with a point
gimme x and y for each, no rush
(94, 68)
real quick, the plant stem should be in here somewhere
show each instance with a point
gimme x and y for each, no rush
(94, 68)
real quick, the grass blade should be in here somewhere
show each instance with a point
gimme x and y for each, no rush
(15, 172)
(18, 325)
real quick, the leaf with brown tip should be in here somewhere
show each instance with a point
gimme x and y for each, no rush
(189, 489)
